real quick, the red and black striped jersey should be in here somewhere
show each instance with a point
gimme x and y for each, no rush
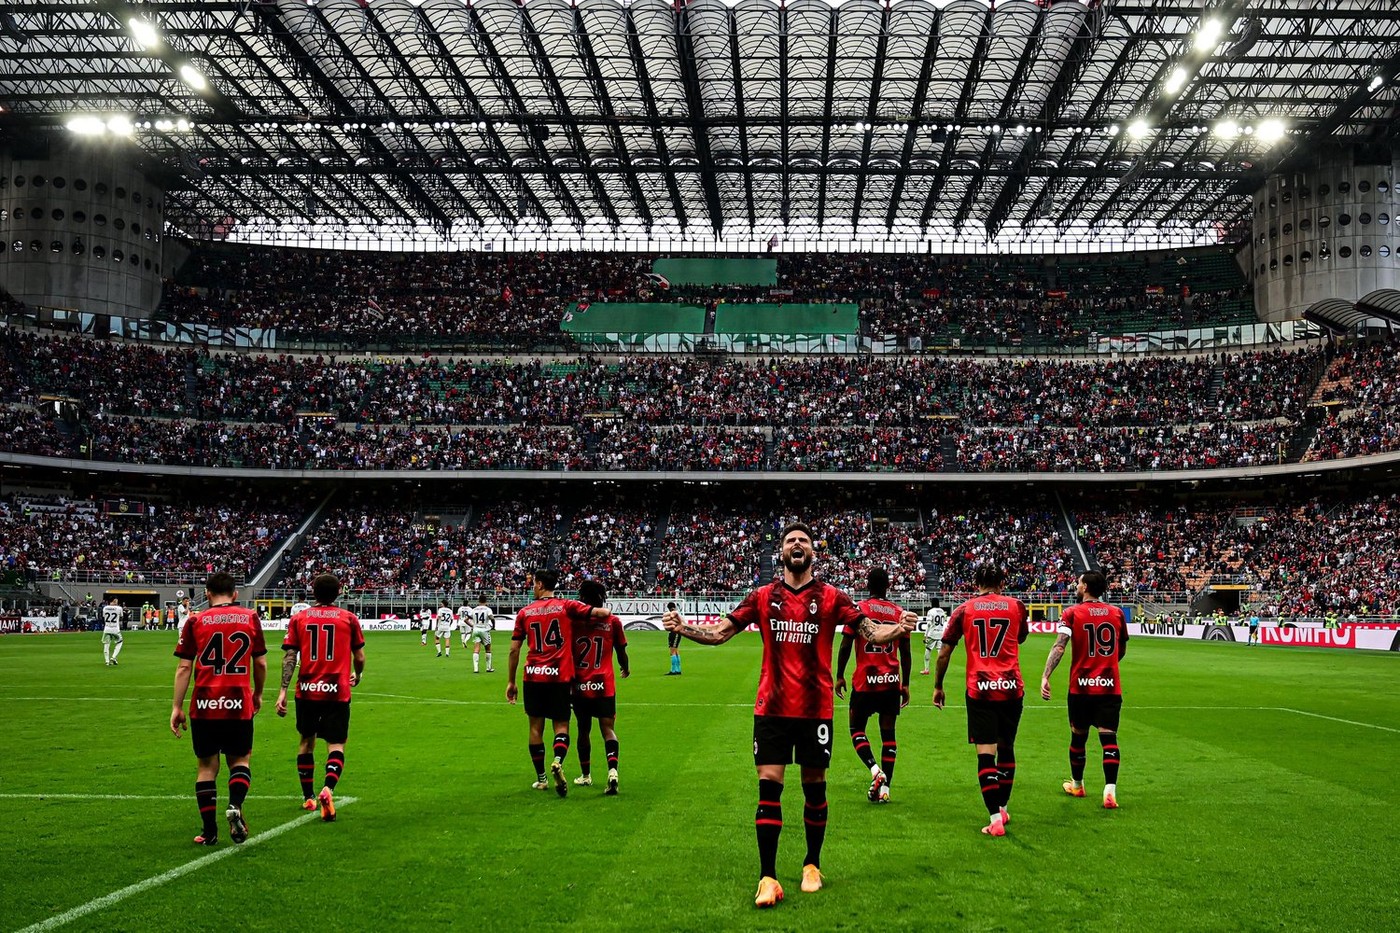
(327, 638)
(547, 628)
(594, 642)
(994, 627)
(222, 641)
(877, 666)
(1097, 634)
(797, 627)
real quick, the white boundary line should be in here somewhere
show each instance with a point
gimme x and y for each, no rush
(107, 900)
(128, 797)
(1349, 722)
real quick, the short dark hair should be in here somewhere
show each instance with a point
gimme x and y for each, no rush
(797, 526)
(989, 576)
(325, 589)
(878, 580)
(545, 577)
(221, 584)
(592, 593)
(671, 607)
(1095, 582)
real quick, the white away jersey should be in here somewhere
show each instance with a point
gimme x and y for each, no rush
(483, 619)
(446, 619)
(111, 620)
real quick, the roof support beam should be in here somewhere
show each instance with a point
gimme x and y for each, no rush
(736, 65)
(916, 125)
(619, 141)
(826, 116)
(871, 109)
(695, 109)
(974, 72)
(639, 64)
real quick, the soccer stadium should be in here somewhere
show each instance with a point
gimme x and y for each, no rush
(982, 334)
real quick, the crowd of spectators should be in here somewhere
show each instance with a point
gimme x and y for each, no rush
(610, 541)
(1062, 450)
(495, 551)
(1359, 433)
(518, 299)
(712, 545)
(1304, 558)
(56, 537)
(856, 450)
(1023, 536)
(366, 542)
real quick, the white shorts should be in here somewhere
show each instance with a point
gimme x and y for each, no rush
(443, 632)
(115, 636)
(482, 635)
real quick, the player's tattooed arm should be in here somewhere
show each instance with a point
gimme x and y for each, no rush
(880, 634)
(700, 634)
(289, 667)
(1053, 661)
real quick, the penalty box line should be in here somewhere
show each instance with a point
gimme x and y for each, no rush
(155, 881)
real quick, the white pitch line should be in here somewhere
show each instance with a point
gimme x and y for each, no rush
(1349, 722)
(155, 881)
(128, 797)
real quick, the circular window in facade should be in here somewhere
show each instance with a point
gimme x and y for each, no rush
(1382, 218)
(100, 219)
(1344, 252)
(78, 248)
(99, 252)
(60, 182)
(1366, 252)
(1344, 187)
(101, 187)
(57, 213)
(118, 255)
(121, 192)
(1384, 250)
(35, 246)
(118, 224)
(40, 181)
(1305, 257)
(1324, 222)
(1305, 224)
(79, 185)
(1288, 260)
(1364, 218)
(1287, 229)
(37, 213)
(79, 217)
(17, 246)
(19, 181)
(1363, 186)
(1273, 263)
(1343, 219)
(56, 246)
(1324, 190)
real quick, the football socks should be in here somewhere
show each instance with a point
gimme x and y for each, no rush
(1077, 756)
(335, 767)
(1111, 757)
(862, 746)
(561, 745)
(306, 767)
(610, 746)
(1006, 776)
(768, 821)
(239, 777)
(206, 794)
(537, 760)
(814, 819)
(889, 748)
(988, 778)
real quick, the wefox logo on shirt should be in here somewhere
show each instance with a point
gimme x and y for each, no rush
(220, 703)
(1095, 681)
(319, 687)
(591, 685)
(1001, 683)
(545, 669)
(884, 678)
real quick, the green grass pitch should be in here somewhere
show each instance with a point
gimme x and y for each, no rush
(1239, 811)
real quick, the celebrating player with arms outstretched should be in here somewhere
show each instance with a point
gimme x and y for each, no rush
(992, 627)
(219, 647)
(1099, 636)
(548, 624)
(323, 640)
(881, 685)
(595, 687)
(797, 618)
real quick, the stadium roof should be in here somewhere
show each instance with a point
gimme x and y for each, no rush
(917, 121)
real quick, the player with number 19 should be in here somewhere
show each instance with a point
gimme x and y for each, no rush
(220, 648)
(323, 641)
(548, 625)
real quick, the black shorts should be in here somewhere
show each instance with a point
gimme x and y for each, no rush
(548, 701)
(779, 740)
(231, 737)
(595, 707)
(867, 703)
(325, 719)
(993, 722)
(673, 640)
(1101, 710)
